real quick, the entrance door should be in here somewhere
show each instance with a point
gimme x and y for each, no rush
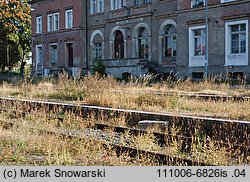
(70, 54)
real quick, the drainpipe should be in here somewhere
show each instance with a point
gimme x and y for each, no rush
(206, 39)
(87, 38)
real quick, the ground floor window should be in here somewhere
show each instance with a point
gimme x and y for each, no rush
(39, 55)
(236, 40)
(97, 51)
(197, 45)
(169, 46)
(119, 45)
(143, 43)
(53, 54)
(199, 42)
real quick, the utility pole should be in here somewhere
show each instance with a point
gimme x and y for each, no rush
(206, 38)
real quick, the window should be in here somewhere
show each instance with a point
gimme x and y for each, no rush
(96, 6)
(39, 24)
(199, 42)
(50, 22)
(143, 43)
(236, 40)
(197, 46)
(225, 1)
(93, 7)
(39, 55)
(117, 4)
(119, 45)
(53, 54)
(53, 22)
(56, 21)
(97, 51)
(169, 47)
(138, 2)
(197, 3)
(69, 18)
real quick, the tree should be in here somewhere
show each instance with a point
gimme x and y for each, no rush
(15, 32)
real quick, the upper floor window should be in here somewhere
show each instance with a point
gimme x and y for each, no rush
(69, 18)
(53, 22)
(197, 3)
(138, 2)
(117, 4)
(96, 6)
(225, 1)
(39, 24)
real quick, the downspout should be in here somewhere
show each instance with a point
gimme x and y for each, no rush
(87, 38)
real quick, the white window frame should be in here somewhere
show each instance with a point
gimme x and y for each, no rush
(54, 26)
(96, 6)
(67, 24)
(232, 59)
(226, 1)
(117, 4)
(195, 60)
(50, 22)
(39, 24)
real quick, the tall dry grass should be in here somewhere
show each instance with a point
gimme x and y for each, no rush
(95, 90)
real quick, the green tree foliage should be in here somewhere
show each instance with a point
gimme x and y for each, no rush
(15, 32)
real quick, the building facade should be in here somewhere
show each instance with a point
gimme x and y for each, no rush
(134, 37)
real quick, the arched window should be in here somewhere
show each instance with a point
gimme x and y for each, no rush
(143, 43)
(169, 46)
(97, 47)
(119, 45)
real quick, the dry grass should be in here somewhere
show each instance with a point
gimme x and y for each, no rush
(20, 145)
(94, 90)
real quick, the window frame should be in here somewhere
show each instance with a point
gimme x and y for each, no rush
(194, 5)
(172, 37)
(226, 1)
(96, 6)
(142, 53)
(53, 63)
(240, 58)
(195, 60)
(67, 24)
(38, 60)
(39, 24)
(117, 4)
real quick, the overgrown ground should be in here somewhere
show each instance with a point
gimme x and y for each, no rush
(109, 92)
(24, 144)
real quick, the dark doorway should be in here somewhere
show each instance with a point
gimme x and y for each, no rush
(119, 45)
(70, 54)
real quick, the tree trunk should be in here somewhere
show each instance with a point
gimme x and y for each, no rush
(22, 65)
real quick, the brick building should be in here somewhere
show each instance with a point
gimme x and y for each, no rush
(140, 36)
